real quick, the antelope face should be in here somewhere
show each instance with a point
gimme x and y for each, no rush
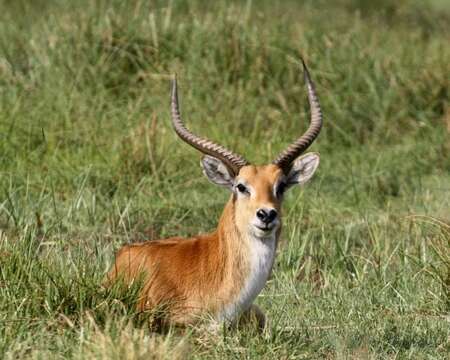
(258, 200)
(258, 190)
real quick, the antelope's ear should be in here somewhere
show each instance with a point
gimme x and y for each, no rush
(303, 169)
(217, 172)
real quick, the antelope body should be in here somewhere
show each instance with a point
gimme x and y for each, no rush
(221, 273)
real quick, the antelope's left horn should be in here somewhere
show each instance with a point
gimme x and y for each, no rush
(285, 159)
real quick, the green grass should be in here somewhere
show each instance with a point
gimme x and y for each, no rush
(88, 161)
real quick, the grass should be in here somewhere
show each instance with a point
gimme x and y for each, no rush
(88, 161)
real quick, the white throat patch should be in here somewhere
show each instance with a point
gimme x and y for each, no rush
(261, 257)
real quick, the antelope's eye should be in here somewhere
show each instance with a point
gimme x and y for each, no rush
(241, 188)
(281, 188)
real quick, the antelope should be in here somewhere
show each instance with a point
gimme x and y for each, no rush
(221, 273)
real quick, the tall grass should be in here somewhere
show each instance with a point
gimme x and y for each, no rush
(88, 161)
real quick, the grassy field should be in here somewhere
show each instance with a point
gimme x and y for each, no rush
(88, 161)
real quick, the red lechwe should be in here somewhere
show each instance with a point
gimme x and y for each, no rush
(221, 273)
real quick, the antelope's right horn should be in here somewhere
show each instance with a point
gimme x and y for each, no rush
(233, 161)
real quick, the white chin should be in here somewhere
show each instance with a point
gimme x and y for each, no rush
(263, 233)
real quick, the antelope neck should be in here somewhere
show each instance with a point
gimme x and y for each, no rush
(247, 262)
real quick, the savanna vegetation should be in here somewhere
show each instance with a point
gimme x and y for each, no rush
(88, 161)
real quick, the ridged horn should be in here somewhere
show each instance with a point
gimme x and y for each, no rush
(285, 159)
(233, 161)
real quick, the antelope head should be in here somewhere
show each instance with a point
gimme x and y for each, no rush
(257, 189)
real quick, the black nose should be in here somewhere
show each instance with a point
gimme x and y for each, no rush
(266, 215)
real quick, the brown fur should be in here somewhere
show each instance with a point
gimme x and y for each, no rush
(203, 274)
